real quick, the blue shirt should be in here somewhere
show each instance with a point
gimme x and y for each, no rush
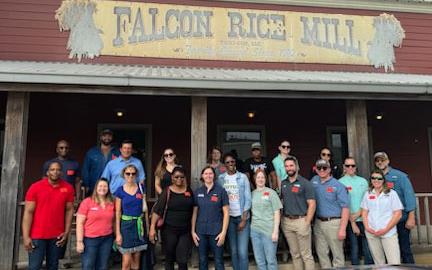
(131, 205)
(331, 196)
(114, 168)
(404, 189)
(210, 215)
(94, 165)
(70, 169)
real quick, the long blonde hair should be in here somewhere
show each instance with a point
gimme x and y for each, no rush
(161, 167)
(95, 196)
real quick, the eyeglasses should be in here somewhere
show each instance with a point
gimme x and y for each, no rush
(286, 146)
(326, 154)
(179, 177)
(169, 155)
(322, 168)
(350, 165)
(230, 162)
(130, 173)
(377, 178)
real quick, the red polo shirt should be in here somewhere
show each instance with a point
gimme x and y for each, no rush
(99, 221)
(49, 215)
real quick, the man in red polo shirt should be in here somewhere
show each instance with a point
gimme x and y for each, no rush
(47, 218)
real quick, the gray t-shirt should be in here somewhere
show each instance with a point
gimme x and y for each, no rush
(295, 195)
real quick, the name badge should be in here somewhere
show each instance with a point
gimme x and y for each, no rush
(70, 172)
(200, 195)
(390, 184)
(94, 208)
(295, 189)
(330, 189)
(214, 198)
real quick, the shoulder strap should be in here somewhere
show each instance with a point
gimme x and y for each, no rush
(166, 202)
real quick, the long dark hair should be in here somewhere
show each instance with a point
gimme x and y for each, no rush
(161, 167)
(209, 157)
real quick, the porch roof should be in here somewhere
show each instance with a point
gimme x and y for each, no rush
(24, 72)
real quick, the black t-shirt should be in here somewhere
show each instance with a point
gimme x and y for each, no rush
(180, 208)
(251, 165)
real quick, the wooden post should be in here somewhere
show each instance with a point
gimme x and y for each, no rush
(11, 186)
(198, 138)
(358, 137)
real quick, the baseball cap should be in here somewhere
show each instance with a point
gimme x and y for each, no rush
(322, 163)
(256, 145)
(106, 131)
(382, 155)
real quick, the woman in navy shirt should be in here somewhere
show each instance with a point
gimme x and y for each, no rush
(130, 226)
(210, 219)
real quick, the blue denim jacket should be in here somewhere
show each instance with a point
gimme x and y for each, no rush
(244, 190)
(404, 189)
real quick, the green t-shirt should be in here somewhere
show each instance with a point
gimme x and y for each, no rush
(356, 187)
(264, 203)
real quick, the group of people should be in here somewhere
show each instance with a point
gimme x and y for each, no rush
(250, 202)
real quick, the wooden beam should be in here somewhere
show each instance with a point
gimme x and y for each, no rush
(11, 186)
(358, 139)
(198, 139)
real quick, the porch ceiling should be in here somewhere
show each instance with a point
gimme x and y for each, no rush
(210, 79)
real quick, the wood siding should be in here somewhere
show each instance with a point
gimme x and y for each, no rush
(29, 31)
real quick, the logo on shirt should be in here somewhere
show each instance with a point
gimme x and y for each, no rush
(390, 184)
(139, 196)
(214, 198)
(63, 189)
(372, 197)
(330, 189)
(70, 172)
(187, 194)
(349, 189)
(295, 189)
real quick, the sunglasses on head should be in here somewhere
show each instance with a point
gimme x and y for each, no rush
(230, 161)
(169, 155)
(130, 173)
(326, 154)
(322, 168)
(377, 178)
(350, 165)
(286, 146)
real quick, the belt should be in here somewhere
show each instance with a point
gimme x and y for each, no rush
(294, 217)
(327, 218)
(140, 224)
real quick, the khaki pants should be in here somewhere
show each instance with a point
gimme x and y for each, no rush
(326, 238)
(382, 248)
(299, 237)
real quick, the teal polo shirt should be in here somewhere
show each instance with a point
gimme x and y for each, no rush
(356, 187)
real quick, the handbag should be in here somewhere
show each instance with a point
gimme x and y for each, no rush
(161, 220)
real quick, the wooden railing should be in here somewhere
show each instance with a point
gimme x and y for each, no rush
(422, 234)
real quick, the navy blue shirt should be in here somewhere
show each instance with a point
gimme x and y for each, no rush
(94, 165)
(210, 215)
(70, 169)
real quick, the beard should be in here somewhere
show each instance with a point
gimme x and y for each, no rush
(291, 173)
(106, 142)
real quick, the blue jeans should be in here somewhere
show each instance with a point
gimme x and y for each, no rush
(354, 245)
(208, 241)
(239, 241)
(264, 250)
(96, 252)
(44, 249)
(404, 243)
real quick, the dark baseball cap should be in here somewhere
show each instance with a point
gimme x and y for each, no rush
(106, 131)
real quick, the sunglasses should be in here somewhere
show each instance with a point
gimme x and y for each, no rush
(169, 155)
(230, 162)
(179, 177)
(377, 178)
(63, 147)
(130, 173)
(326, 154)
(286, 146)
(350, 165)
(322, 168)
